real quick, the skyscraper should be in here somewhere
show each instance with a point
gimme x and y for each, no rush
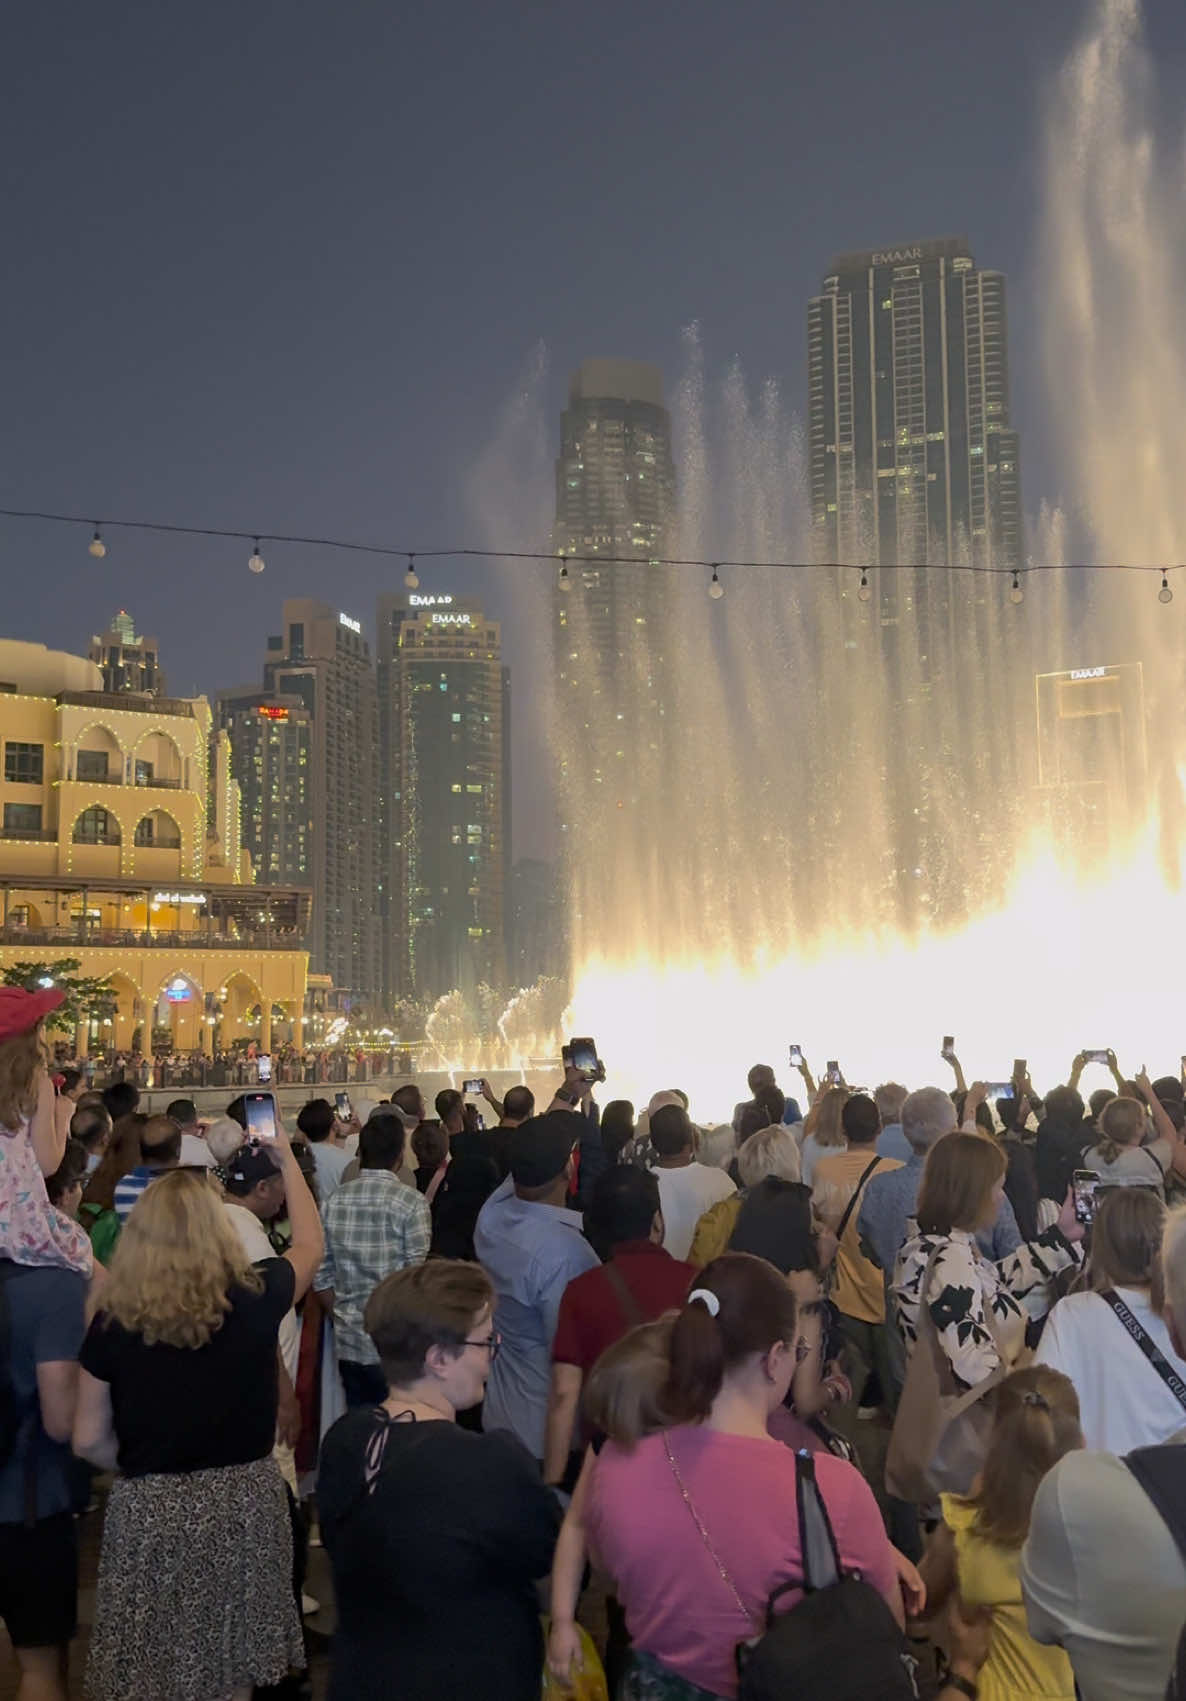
(127, 663)
(615, 499)
(914, 466)
(272, 744)
(322, 661)
(912, 456)
(444, 739)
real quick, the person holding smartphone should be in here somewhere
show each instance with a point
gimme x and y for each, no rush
(178, 1393)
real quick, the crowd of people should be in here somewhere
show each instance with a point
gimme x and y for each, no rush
(877, 1398)
(243, 1065)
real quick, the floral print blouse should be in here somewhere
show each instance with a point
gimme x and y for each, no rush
(965, 1286)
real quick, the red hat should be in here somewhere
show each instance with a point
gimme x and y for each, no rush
(21, 1011)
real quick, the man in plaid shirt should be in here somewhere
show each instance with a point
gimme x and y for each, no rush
(373, 1225)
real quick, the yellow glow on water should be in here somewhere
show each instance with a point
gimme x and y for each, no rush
(1065, 966)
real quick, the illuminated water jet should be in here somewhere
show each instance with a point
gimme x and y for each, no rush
(817, 851)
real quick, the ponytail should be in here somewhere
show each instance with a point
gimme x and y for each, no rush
(696, 1367)
(1035, 1423)
(1122, 1122)
(739, 1307)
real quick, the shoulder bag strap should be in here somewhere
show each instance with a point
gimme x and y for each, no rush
(703, 1533)
(817, 1540)
(631, 1310)
(1148, 1346)
(856, 1198)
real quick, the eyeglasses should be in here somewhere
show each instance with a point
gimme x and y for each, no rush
(491, 1343)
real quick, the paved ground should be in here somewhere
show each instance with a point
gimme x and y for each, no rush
(318, 1628)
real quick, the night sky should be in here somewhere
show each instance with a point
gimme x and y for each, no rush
(281, 266)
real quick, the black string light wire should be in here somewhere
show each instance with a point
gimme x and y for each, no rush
(97, 547)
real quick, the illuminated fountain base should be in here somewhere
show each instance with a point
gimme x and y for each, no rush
(1065, 967)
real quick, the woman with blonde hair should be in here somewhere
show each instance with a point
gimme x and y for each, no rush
(1111, 1339)
(772, 1151)
(823, 1131)
(178, 1392)
(1120, 1157)
(976, 1549)
(34, 1126)
(979, 1309)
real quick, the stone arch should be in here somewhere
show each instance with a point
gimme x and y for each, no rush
(96, 824)
(102, 744)
(178, 1007)
(157, 829)
(157, 758)
(129, 1012)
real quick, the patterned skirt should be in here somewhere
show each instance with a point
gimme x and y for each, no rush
(648, 1679)
(195, 1591)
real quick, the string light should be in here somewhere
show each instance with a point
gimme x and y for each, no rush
(98, 549)
(411, 577)
(1165, 594)
(257, 563)
(715, 588)
(563, 581)
(864, 590)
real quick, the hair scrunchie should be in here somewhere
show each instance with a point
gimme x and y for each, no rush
(707, 1299)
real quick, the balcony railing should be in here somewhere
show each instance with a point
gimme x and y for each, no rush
(96, 839)
(98, 780)
(143, 702)
(35, 835)
(160, 783)
(252, 939)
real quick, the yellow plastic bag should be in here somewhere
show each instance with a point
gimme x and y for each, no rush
(587, 1679)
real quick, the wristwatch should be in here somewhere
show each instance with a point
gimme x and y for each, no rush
(568, 1094)
(962, 1685)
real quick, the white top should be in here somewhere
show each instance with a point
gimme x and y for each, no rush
(684, 1196)
(195, 1152)
(1102, 1576)
(257, 1246)
(1123, 1402)
(330, 1161)
(1133, 1166)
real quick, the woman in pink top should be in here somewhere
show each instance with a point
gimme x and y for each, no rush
(699, 1520)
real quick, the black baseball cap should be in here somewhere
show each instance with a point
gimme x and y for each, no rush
(541, 1146)
(250, 1165)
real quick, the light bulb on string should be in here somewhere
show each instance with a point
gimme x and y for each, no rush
(256, 563)
(563, 580)
(411, 577)
(96, 546)
(1165, 594)
(715, 588)
(864, 589)
(1016, 594)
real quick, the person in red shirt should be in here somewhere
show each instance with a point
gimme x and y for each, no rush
(638, 1282)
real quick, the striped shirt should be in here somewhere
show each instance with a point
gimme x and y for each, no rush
(373, 1225)
(129, 1188)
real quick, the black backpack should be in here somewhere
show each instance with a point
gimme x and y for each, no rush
(841, 1642)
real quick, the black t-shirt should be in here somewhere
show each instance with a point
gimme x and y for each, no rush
(193, 1408)
(433, 1570)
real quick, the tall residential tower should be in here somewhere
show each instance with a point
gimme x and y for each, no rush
(445, 791)
(912, 456)
(322, 662)
(615, 514)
